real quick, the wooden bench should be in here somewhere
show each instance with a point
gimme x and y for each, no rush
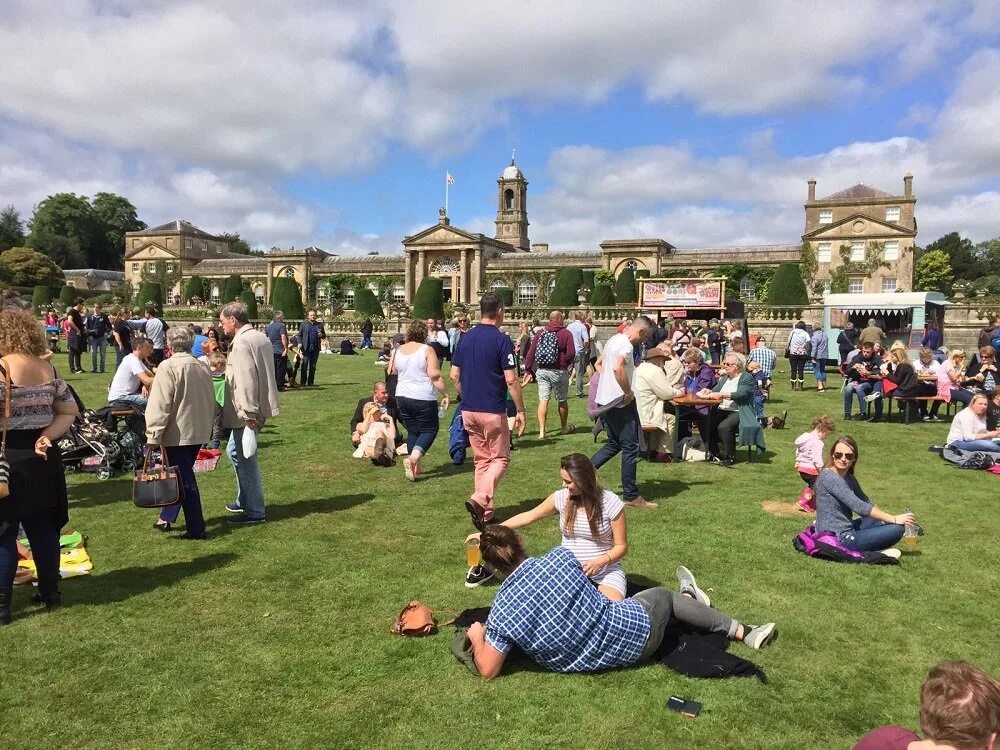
(905, 401)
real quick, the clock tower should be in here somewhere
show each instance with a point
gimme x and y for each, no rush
(512, 207)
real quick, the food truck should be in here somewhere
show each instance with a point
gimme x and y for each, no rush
(902, 315)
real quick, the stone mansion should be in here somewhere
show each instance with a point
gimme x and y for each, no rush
(846, 229)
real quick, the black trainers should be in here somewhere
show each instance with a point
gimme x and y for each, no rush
(245, 520)
(477, 576)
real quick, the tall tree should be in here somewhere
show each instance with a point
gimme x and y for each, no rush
(239, 245)
(966, 264)
(11, 229)
(933, 273)
(114, 216)
(63, 227)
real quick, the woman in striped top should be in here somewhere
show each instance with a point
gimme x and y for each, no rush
(592, 521)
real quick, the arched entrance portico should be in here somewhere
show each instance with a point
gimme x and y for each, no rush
(449, 271)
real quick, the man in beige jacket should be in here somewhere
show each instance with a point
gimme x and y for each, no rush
(251, 399)
(653, 387)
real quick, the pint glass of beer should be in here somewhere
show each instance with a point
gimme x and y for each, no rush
(472, 553)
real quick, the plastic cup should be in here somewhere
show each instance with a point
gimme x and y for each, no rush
(472, 553)
(910, 536)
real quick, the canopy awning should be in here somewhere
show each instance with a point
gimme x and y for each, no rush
(873, 303)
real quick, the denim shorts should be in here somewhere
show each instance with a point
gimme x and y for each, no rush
(553, 381)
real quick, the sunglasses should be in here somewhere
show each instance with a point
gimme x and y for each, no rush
(843, 456)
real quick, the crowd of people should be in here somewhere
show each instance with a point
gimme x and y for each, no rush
(567, 609)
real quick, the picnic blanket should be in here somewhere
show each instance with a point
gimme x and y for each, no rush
(207, 459)
(74, 560)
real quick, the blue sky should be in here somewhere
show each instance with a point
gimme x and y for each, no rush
(309, 122)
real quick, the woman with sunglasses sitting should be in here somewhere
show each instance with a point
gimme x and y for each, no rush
(592, 521)
(839, 497)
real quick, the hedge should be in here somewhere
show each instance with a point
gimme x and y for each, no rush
(506, 295)
(787, 286)
(66, 296)
(603, 296)
(195, 287)
(40, 297)
(565, 292)
(248, 299)
(625, 287)
(286, 295)
(589, 281)
(366, 305)
(428, 302)
(232, 289)
(150, 293)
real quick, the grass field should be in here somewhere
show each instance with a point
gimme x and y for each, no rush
(278, 635)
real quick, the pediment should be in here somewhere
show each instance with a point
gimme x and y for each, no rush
(861, 226)
(440, 234)
(150, 251)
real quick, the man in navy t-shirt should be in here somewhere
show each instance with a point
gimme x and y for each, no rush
(483, 370)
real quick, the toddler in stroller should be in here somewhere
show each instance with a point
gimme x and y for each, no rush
(106, 441)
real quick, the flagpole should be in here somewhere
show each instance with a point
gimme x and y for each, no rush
(445, 193)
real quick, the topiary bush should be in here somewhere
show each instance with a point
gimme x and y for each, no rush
(286, 295)
(568, 281)
(150, 293)
(428, 302)
(603, 296)
(40, 297)
(366, 305)
(506, 295)
(231, 289)
(787, 286)
(195, 287)
(248, 299)
(588, 280)
(66, 296)
(625, 287)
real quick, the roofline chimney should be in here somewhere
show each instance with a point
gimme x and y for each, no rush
(908, 185)
(812, 188)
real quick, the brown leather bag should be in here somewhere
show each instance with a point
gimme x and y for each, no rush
(415, 619)
(154, 487)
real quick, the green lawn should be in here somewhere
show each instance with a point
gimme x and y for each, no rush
(278, 635)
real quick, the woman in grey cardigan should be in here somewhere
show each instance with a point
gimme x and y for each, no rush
(839, 497)
(179, 417)
(819, 347)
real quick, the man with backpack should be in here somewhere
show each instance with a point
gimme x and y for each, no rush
(550, 357)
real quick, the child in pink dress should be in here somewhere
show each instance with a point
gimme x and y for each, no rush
(809, 459)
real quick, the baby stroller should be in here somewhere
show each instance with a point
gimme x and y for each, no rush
(91, 446)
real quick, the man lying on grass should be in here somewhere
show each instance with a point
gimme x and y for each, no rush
(549, 609)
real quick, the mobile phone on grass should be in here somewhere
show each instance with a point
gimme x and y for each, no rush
(683, 706)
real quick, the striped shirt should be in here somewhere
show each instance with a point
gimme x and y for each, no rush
(580, 540)
(550, 610)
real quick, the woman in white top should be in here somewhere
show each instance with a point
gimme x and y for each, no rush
(798, 353)
(419, 373)
(592, 521)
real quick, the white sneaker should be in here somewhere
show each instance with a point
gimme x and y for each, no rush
(760, 636)
(892, 552)
(873, 397)
(689, 586)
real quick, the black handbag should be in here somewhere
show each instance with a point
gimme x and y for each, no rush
(154, 487)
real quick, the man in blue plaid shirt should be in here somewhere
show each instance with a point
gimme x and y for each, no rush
(765, 357)
(549, 609)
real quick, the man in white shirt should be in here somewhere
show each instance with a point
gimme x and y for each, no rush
(621, 420)
(581, 339)
(132, 378)
(156, 331)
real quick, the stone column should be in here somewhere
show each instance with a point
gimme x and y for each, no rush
(420, 270)
(408, 276)
(464, 278)
(477, 274)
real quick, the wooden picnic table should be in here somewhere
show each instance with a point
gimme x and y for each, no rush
(689, 400)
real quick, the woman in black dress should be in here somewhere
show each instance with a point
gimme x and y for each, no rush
(42, 408)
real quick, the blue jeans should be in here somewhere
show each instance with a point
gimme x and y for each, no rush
(864, 388)
(869, 534)
(120, 354)
(136, 399)
(819, 370)
(249, 489)
(421, 421)
(183, 457)
(98, 346)
(366, 342)
(622, 425)
(976, 445)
